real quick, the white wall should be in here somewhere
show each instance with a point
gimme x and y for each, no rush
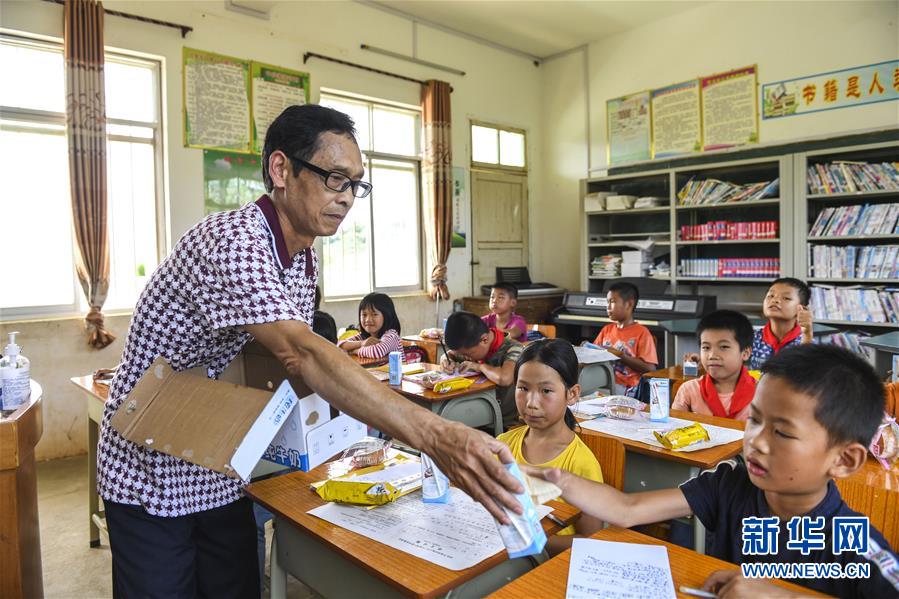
(785, 40)
(498, 87)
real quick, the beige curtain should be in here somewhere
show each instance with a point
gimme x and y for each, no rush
(86, 131)
(438, 177)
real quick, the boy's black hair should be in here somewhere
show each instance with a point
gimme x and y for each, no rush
(318, 297)
(805, 294)
(626, 291)
(850, 397)
(463, 330)
(383, 304)
(559, 355)
(297, 132)
(510, 289)
(324, 326)
(728, 320)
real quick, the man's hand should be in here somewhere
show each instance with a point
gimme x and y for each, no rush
(730, 584)
(468, 457)
(804, 320)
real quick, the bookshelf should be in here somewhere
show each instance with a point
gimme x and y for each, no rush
(833, 260)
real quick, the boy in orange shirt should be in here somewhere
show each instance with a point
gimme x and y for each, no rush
(626, 338)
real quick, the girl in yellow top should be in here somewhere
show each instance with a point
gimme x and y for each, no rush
(546, 384)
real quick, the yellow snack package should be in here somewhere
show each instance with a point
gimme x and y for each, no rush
(682, 437)
(454, 384)
(376, 485)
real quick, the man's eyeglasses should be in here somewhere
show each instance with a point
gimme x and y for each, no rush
(338, 181)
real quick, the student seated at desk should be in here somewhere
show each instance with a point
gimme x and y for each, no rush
(726, 389)
(789, 320)
(379, 329)
(475, 346)
(814, 413)
(546, 385)
(503, 299)
(626, 338)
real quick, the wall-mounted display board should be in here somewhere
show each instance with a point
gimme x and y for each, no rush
(834, 89)
(730, 114)
(628, 128)
(216, 97)
(676, 119)
(273, 90)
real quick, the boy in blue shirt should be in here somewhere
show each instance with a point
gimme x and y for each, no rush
(789, 320)
(815, 411)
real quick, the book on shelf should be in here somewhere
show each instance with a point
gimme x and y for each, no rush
(725, 230)
(870, 219)
(856, 303)
(607, 265)
(699, 192)
(850, 340)
(724, 268)
(853, 262)
(844, 176)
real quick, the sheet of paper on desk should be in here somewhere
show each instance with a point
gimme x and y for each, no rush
(618, 570)
(455, 535)
(641, 429)
(588, 355)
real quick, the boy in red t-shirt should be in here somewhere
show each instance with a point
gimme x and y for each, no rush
(626, 338)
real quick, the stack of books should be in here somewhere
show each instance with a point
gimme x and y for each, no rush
(635, 263)
(861, 304)
(851, 177)
(723, 268)
(853, 262)
(607, 265)
(712, 191)
(870, 219)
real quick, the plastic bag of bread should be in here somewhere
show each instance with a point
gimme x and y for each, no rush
(623, 408)
(885, 444)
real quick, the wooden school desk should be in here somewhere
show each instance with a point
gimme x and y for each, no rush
(688, 568)
(433, 347)
(336, 562)
(874, 492)
(21, 574)
(676, 376)
(476, 406)
(637, 466)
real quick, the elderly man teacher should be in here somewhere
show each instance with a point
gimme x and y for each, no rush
(177, 529)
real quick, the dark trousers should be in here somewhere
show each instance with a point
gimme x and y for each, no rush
(207, 554)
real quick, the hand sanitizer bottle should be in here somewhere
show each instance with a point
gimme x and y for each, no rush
(16, 378)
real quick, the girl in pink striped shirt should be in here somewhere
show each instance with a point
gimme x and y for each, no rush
(380, 328)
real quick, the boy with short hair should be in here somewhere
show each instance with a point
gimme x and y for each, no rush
(813, 416)
(726, 389)
(503, 300)
(626, 338)
(475, 346)
(789, 320)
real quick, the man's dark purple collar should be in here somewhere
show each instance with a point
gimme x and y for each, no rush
(279, 245)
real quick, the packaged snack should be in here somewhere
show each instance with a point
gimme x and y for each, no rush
(623, 408)
(370, 451)
(395, 368)
(524, 535)
(691, 368)
(373, 486)
(682, 437)
(541, 490)
(434, 483)
(885, 444)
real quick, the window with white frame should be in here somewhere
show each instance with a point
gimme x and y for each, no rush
(35, 202)
(378, 246)
(495, 146)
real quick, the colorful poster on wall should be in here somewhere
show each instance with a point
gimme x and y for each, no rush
(216, 101)
(628, 128)
(230, 180)
(460, 208)
(676, 120)
(729, 108)
(273, 89)
(835, 89)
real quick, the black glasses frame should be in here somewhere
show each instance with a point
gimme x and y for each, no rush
(360, 188)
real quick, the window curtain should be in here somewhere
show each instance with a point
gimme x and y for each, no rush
(86, 133)
(438, 178)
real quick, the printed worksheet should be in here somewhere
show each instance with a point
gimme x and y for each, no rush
(588, 355)
(456, 535)
(618, 571)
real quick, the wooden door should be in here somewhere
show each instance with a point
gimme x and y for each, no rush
(499, 224)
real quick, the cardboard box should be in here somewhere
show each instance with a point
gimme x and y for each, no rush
(227, 427)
